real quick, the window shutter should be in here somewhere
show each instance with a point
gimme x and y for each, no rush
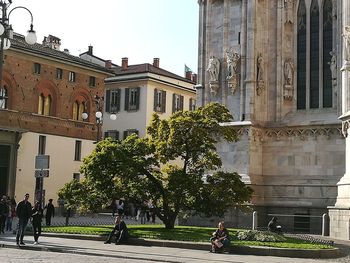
(137, 98)
(155, 99)
(127, 99)
(117, 135)
(118, 100)
(174, 99)
(163, 100)
(181, 103)
(108, 100)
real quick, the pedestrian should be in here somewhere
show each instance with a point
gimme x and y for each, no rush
(4, 210)
(273, 226)
(37, 216)
(50, 212)
(24, 212)
(11, 214)
(120, 208)
(120, 231)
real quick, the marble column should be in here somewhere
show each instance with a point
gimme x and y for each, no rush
(340, 213)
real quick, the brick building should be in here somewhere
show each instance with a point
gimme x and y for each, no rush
(44, 93)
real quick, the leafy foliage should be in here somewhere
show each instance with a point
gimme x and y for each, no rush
(167, 167)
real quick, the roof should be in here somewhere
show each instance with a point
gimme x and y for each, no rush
(18, 42)
(149, 68)
(98, 58)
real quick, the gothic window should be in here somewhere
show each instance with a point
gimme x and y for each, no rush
(78, 110)
(44, 105)
(3, 98)
(314, 87)
(41, 104)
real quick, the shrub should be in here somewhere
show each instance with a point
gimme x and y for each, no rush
(253, 235)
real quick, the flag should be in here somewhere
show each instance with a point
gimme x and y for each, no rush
(187, 69)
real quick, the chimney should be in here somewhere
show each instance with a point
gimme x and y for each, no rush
(52, 42)
(90, 50)
(156, 62)
(66, 50)
(188, 75)
(108, 64)
(124, 63)
(194, 78)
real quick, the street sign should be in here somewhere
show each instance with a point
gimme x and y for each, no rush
(42, 161)
(41, 173)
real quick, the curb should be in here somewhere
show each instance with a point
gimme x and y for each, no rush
(244, 250)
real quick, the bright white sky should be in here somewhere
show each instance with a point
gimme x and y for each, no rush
(138, 29)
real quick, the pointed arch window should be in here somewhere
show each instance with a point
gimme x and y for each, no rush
(78, 110)
(44, 105)
(314, 46)
(3, 98)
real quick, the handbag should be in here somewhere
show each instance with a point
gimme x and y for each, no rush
(218, 243)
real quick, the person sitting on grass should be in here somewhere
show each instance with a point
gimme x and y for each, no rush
(274, 227)
(220, 239)
(120, 231)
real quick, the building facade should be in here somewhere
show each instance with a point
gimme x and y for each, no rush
(137, 91)
(44, 93)
(276, 65)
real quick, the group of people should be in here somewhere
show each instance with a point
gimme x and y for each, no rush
(25, 212)
(7, 213)
(143, 211)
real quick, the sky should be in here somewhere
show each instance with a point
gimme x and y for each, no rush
(138, 29)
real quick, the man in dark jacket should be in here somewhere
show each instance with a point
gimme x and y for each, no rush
(120, 231)
(24, 212)
(50, 212)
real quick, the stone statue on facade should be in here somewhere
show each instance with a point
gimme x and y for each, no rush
(333, 67)
(214, 69)
(346, 36)
(288, 72)
(288, 5)
(232, 59)
(260, 75)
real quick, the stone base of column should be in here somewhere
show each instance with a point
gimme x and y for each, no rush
(339, 222)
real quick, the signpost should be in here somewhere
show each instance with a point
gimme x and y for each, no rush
(42, 165)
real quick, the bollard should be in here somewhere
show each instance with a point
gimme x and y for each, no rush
(255, 220)
(325, 225)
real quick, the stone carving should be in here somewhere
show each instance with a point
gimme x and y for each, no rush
(346, 36)
(333, 67)
(344, 127)
(288, 71)
(232, 59)
(260, 75)
(288, 5)
(214, 69)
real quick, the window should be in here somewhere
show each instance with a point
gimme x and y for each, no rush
(112, 134)
(76, 176)
(59, 73)
(3, 98)
(37, 68)
(178, 102)
(132, 99)
(44, 105)
(113, 100)
(129, 132)
(42, 145)
(77, 152)
(159, 100)
(314, 87)
(78, 110)
(192, 103)
(92, 81)
(71, 76)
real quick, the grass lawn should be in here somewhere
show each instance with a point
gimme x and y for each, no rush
(183, 233)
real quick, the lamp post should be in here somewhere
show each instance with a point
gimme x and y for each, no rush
(99, 116)
(6, 33)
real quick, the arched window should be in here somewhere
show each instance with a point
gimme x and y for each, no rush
(41, 104)
(78, 109)
(3, 98)
(314, 44)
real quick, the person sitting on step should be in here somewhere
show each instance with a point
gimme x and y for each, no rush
(120, 231)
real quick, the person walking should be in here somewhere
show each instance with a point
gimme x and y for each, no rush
(120, 231)
(37, 215)
(24, 212)
(50, 212)
(4, 210)
(11, 214)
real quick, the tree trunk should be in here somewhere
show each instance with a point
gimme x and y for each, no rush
(169, 221)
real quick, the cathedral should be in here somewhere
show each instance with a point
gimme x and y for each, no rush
(281, 67)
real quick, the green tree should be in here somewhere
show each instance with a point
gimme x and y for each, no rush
(168, 167)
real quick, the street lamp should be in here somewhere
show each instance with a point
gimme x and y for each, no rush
(99, 115)
(6, 32)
